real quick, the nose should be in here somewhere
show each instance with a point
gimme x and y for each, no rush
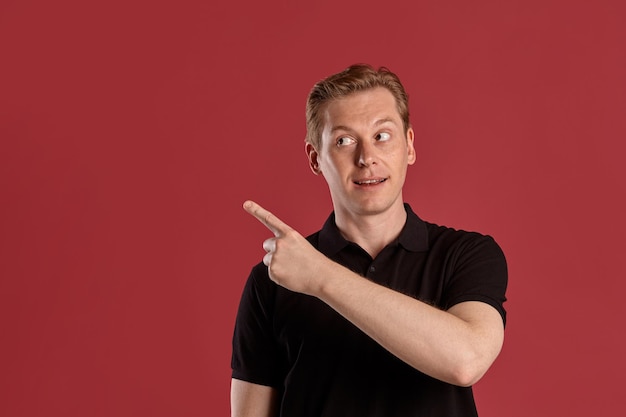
(366, 154)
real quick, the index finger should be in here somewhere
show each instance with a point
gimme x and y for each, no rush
(277, 226)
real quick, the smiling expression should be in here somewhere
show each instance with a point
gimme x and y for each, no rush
(364, 153)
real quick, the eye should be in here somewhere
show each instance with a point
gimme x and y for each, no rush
(345, 140)
(383, 136)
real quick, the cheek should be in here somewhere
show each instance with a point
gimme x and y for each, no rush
(401, 155)
(330, 171)
(337, 161)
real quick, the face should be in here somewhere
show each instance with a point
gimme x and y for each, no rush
(364, 153)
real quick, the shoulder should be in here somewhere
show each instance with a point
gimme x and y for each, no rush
(444, 238)
(472, 264)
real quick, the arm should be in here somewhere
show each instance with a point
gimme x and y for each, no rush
(455, 346)
(252, 400)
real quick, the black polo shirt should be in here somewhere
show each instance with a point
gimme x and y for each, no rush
(325, 366)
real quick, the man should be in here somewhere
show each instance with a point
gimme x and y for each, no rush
(379, 313)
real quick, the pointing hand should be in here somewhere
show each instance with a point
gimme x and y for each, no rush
(291, 260)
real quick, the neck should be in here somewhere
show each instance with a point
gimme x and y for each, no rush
(372, 232)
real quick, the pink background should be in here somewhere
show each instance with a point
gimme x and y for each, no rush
(132, 131)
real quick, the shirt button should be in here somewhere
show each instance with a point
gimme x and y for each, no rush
(372, 268)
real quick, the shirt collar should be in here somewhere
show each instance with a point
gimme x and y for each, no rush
(413, 236)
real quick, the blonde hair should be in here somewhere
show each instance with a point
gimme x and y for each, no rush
(357, 77)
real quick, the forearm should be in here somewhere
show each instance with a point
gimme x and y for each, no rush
(456, 346)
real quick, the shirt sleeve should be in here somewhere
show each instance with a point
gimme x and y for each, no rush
(479, 273)
(255, 352)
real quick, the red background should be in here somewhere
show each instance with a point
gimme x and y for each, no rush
(132, 131)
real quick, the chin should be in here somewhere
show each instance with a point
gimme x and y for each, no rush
(366, 205)
(369, 208)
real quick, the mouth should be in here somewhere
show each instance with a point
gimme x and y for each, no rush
(370, 182)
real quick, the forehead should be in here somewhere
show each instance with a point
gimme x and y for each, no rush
(361, 108)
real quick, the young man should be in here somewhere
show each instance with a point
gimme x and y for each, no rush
(379, 313)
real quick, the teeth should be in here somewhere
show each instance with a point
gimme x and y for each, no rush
(370, 181)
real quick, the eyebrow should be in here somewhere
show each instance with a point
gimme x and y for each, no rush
(383, 121)
(376, 123)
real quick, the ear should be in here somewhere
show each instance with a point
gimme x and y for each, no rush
(313, 156)
(410, 148)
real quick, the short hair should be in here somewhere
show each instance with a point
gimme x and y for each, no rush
(355, 78)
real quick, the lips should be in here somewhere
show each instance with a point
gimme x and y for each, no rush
(372, 181)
